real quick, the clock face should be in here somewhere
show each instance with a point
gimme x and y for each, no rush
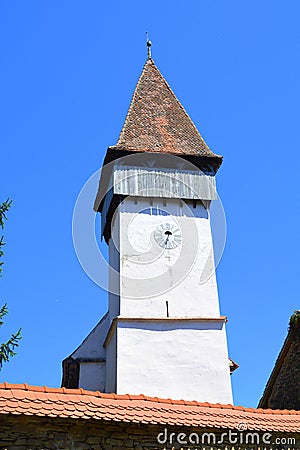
(168, 235)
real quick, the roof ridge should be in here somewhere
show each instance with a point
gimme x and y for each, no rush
(84, 392)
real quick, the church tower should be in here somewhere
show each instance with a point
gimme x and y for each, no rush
(163, 334)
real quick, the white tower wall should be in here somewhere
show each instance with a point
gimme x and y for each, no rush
(167, 337)
(150, 275)
(173, 359)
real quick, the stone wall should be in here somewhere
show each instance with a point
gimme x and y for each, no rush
(27, 432)
(44, 433)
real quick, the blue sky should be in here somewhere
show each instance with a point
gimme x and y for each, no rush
(68, 70)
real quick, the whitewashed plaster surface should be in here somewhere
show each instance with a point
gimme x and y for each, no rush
(151, 275)
(166, 358)
(92, 375)
(176, 360)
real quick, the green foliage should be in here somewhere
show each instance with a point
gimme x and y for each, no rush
(8, 347)
(295, 320)
(3, 210)
(4, 207)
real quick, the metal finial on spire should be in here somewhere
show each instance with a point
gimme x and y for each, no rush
(149, 43)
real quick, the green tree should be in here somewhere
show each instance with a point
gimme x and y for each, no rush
(8, 347)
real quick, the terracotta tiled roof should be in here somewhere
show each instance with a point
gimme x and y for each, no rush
(81, 404)
(157, 122)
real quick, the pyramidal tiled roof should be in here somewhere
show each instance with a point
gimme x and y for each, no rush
(157, 122)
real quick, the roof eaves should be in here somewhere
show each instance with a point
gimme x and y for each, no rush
(96, 394)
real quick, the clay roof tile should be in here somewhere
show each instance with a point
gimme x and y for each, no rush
(84, 405)
(156, 121)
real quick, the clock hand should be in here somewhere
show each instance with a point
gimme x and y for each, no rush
(168, 233)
